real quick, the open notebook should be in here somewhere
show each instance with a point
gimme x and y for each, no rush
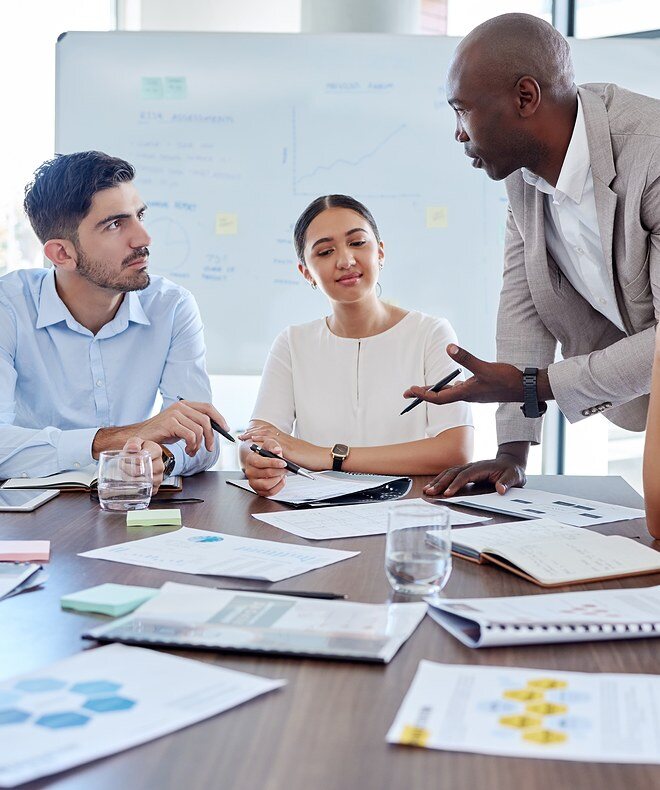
(555, 617)
(83, 479)
(551, 554)
(335, 488)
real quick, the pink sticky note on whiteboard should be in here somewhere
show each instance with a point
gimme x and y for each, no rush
(24, 550)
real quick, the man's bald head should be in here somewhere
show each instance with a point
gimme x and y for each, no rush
(507, 47)
(511, 86)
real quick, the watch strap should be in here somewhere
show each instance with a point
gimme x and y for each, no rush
(531, 406)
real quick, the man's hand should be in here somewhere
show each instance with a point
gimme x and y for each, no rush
(504, 472)
(136, 443)
(491, 382)
(187, 420)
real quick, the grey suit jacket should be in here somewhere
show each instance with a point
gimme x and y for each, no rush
(603, 369)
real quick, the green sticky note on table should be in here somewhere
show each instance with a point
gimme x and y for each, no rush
(112, 599)
(165, 517)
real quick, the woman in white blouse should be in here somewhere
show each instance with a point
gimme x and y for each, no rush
(336, 384)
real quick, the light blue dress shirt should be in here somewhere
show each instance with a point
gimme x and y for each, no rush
(59, 383)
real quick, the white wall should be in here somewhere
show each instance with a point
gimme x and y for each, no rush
(249, 16)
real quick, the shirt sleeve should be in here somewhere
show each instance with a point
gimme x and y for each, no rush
(437, 365)
(184, 374)
(275, 400)
(32, 452)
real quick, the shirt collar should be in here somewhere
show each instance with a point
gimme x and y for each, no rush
(575, 168)
(52, 310)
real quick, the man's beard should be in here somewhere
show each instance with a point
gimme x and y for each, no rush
(101, 274)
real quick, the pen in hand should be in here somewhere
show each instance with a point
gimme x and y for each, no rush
(298, 470)
(216, 427)
(435, 388)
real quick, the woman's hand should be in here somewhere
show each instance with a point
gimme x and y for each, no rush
(307, 455)
(266, 475)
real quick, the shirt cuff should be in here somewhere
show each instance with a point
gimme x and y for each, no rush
(179, 458)
(74, 448)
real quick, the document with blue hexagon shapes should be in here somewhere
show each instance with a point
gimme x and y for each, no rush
(103, 701)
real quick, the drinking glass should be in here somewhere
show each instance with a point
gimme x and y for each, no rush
(418, 548)
(125, 479)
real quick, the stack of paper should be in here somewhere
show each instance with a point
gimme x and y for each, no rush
(187, 616)
(17, 577)
(342, 522)
(532, 713)
(214, 554)
(101, 702)
(24, 550)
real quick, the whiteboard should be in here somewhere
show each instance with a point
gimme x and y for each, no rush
(232, 135)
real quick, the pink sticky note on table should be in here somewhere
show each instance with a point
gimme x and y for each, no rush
(24, 550)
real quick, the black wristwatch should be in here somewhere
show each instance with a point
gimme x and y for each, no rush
(168, 461)
(339, 454)
(532, 406)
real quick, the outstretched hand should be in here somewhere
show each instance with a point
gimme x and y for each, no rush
(504, 472)
(491, 382)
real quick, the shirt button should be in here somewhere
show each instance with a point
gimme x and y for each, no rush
(602, 301)
(98, 382)
(77, 465)
(24, 474)
(579, 250)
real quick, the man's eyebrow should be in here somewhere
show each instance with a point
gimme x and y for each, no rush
(114, 217)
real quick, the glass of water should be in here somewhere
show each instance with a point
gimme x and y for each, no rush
(418, 549)
(125, 479)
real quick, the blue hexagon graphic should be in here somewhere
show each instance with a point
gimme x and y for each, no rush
(95, 687)
(58, 721)
(36, 685)
(107, 704)
(13, 716)
(8, 698)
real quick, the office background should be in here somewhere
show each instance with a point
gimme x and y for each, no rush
(28, 32)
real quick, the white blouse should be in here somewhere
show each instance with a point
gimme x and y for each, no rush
(326, 389)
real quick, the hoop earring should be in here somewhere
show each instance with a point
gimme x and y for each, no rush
(313, 284)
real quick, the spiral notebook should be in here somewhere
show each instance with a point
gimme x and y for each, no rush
(335, 488)
(556, 617)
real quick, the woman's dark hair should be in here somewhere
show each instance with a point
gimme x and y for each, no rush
(321, 204)
(60, 196)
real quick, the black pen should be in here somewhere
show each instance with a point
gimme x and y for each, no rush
(216, 427)
(326, 596)
(435, 388)
(298, 470)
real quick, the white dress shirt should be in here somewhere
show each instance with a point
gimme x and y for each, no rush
(327, 389)
(572, 235)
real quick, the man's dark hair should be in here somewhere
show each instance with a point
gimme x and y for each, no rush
(321, 204)
(60, 195)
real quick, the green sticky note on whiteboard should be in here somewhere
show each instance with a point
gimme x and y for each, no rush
(112, 599)
(152, 87)
(175, 88)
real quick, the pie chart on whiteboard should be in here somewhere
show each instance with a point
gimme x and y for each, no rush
(170, 246)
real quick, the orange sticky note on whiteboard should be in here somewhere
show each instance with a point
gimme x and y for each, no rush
(24, 550)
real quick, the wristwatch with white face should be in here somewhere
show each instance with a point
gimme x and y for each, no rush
(339, 454)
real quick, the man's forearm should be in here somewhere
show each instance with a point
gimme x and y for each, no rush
(517, 451)
(113, 438)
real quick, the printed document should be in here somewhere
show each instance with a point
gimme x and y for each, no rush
(342, 522)
(189, 550)
(539, 713)
(103, 701)
(299, 489)
(184, 615)
(530, 503)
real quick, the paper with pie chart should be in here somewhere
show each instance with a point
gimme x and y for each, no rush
(188, 550)
(538, 713)
(103, 701)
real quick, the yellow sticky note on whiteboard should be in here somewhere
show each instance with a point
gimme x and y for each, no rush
(226, 224)
(436, 216)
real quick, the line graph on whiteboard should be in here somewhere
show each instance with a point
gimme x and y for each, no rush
(358, 159)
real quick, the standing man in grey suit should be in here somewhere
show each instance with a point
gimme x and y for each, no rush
(582, 248)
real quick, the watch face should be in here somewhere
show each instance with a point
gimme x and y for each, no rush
(340, 450)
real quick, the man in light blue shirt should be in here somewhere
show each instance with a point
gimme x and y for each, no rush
(86, 345)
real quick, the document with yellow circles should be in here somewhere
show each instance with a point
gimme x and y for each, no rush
(531, 713)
